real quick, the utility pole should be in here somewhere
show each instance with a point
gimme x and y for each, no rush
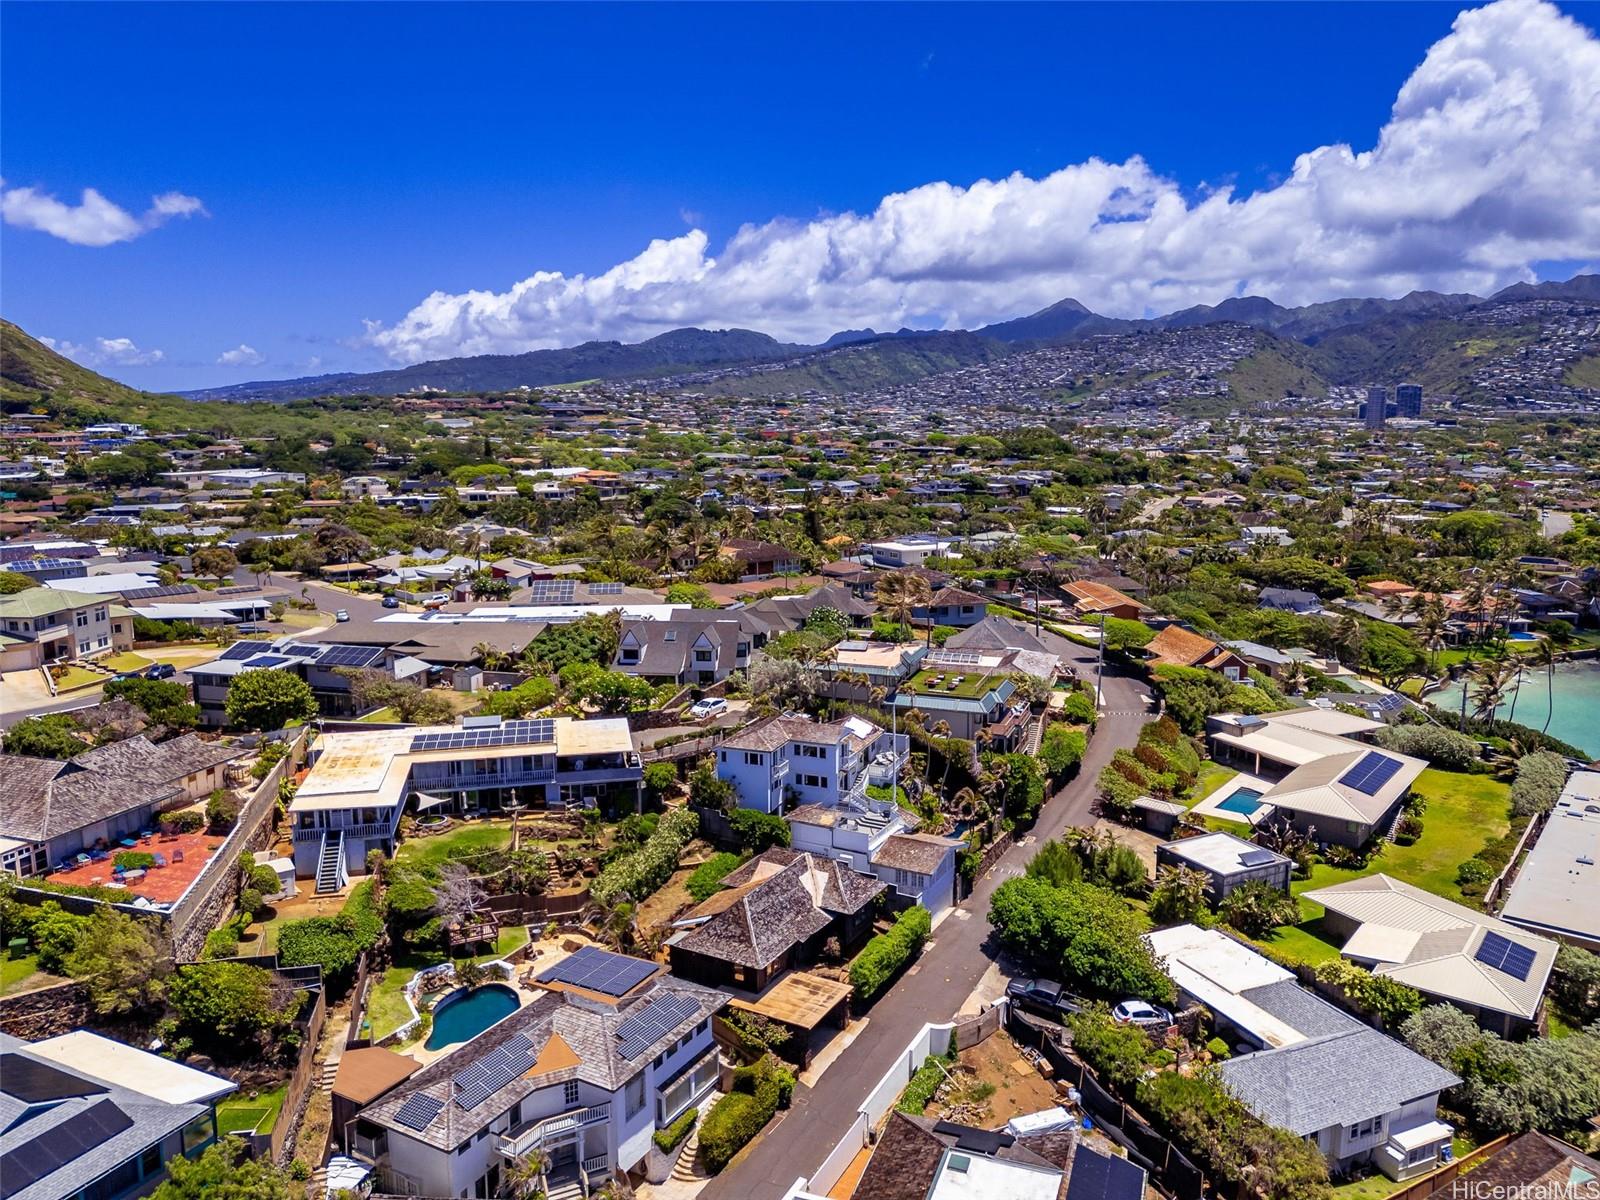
(1100, 666)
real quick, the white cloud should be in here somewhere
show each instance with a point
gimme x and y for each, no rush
(94, 220)
(106, 352)
(1490, 162)
(241, 356)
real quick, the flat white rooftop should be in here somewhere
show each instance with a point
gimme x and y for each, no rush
(137, 1070)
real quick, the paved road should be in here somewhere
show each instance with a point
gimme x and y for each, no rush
(935, 987)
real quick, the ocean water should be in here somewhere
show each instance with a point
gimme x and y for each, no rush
(1576, 694)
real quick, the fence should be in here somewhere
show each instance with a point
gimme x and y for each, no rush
(353, 1039)
(1427, 1185)
(1502, 881)
(932, 1041)
(1163, 1161)
(690, 748)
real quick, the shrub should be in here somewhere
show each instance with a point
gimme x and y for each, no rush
(55, 935)
(1256, 907)
(1408, 830)
(223, 942)
(887, 952)
(1218, 1049)
(134, 860)
(660, 777)
(222, 809)
(1079, 708)
(1537, 786)
(335, 942)
(1443, 748)
(669, 1139)
(268, 757)
(735, 1119)
(189, 820)
(758, 831)
(1389, 1000)
(647, 868)
(1474, 870)
(1061, 750)
(1576, 982)
(924, 1082)
(1081, 934)
(224, 1001)
(1117, 1052)
(707, 877)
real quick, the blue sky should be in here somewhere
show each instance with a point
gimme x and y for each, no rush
(351, 160)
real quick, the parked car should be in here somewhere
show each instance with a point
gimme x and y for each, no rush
(437, 600)
(711, 706)
(1043, 996)
(121, 675)
(249, 627)
(161, 671)
(1137, 1012)
(391, 602)
(341, 615)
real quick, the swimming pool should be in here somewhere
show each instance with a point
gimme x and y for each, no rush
(1244, 801)
(463, 1014)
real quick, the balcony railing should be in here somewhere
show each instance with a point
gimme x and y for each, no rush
(380, 829)
(535, 1134)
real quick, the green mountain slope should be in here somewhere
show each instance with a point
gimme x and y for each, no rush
(862, 366)
(1278, 368)
(1439, 354)
(31, 373)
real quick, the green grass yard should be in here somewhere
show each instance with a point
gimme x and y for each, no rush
(17, 973)
(971, 687)
(251, 1114)
(126, 661)
(463, 839)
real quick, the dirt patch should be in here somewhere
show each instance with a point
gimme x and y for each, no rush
(673, 896)
(992, 1083)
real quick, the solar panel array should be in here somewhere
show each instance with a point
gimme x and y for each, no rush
(269, 660)
(652, 1022)
(1501, 953)
(511, 733)
(301, 651)
(238, 590)
(418, 1112)
(494, 1070)
(1370, 774)
(61, 1144)
(956, 658)
(553, 591)
(155, 593)
(349, 656)
(1257, 858)
(240, 651)
(600, 971)
(605, 589)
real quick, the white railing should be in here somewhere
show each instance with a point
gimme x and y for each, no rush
(516, 1142)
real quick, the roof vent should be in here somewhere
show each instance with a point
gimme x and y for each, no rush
(960, 1162)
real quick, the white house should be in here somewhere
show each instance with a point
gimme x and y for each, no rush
(350, 802)
(585, 1073)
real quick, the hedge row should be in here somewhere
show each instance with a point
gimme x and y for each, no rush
(888, 952)
(652, 864)
(1540, 778)
(667, 1140)
(758, 1092)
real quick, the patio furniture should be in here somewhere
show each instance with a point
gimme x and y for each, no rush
(160, 859)
(135, 874)
(80, 860)
(97, 856)
(177, 856)
(128, 842)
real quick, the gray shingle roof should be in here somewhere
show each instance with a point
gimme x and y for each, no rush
(45, 799)
(1339, 1079)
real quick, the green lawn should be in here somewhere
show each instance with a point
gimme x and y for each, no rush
(1304, 942)
(463, 839)
(1464, 814)
(14, 972)
(251, 1114)
(74, 678)
(382, 714)
(1212, 776)
(126, 661)
(970, 688)
(386, 1003)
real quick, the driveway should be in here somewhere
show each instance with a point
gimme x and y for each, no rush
(934, 988)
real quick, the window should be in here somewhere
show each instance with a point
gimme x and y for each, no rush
(99, 614)
(702, 656)
(634, 1095)
(83, 620)
(1364, 1129)
(569, 1091)
(150, 1161)
(669, 635)
(753, 759)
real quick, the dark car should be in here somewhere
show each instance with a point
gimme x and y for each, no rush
(391, 602)
(161, 671)
(1043, 996)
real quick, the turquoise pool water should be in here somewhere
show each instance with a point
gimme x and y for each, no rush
(1243, 801)
(463, 1015)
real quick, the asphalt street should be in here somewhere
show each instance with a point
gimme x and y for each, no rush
(936, 986)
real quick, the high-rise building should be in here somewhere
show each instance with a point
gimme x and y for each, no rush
(1408, 400)
(1377, 407)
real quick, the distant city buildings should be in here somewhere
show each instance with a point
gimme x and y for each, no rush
(1408, 400)
(1377, 408)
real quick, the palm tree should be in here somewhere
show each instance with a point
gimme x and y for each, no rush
(1545, 655)
(1490, 690)
(941, 729)
(1294, 676)
(524, 1177)
(895, 598)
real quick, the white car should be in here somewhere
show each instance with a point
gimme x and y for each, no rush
(711, 706)
(341, 615)
(1137, 1012)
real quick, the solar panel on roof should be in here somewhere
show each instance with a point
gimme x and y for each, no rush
(605, 589)
(653, 1021)
(493, 1071)
(598, 970)
(33, 1081)
(269, 660)
(1098, 1176)
(240, 651)
(300, 651)
(1501, 953)
(1370, 774)
(153, 593)
(349, 656)
(418, 1112)
(61, 1144)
